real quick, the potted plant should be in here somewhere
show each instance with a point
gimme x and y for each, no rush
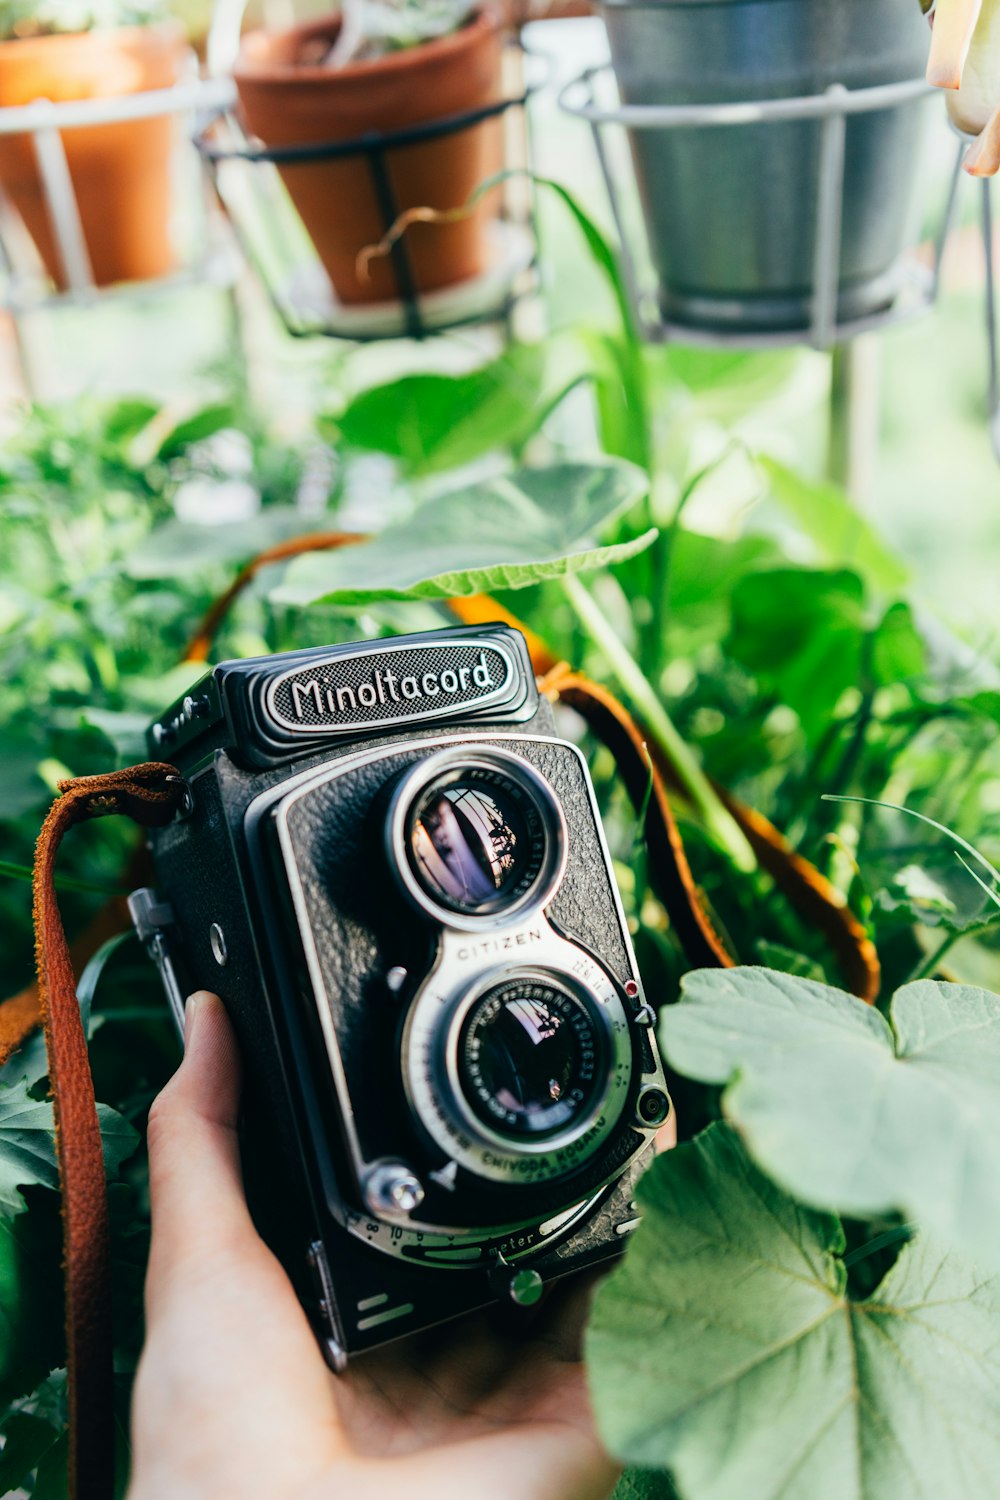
(374, 68)
(731, 210)
(965, 59)
(94, 49)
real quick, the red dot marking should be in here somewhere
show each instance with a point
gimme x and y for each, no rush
(631, 989)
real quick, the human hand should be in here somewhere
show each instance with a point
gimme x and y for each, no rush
(233, 1398)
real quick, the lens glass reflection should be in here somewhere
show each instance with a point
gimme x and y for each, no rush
(476, 844)
(530, 1058)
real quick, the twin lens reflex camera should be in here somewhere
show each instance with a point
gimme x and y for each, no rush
(392, 869)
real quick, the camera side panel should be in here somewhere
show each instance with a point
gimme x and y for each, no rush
(358, 937)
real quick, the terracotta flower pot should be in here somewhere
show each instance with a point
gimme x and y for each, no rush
(288, 98)
(121, 173)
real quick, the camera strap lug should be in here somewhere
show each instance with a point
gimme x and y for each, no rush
(153, 919)
(333, 1349)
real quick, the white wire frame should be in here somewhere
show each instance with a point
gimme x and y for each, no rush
(45, 121)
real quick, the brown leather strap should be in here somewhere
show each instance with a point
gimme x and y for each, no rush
(815, 898)
(149, 794)
(21, 1013)
(669, 871)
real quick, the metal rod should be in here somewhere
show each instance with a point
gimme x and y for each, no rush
(855, 414)
(400, 252)
(991, 314)
(208, 95)
(744, 112)
(829, 222)
(223, 44)
(627, 264)
(949, 218)
(63, 210)
(412, 135)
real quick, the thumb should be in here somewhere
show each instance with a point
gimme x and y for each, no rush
(195, 1180)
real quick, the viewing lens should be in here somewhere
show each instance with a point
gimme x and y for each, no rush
(476, 840)
(531, 1058)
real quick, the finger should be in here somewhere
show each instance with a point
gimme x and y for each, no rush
(195, 1181)
(666, 1137)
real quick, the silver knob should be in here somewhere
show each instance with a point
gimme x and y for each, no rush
(392, 1189)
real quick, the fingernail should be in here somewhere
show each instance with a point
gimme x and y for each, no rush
(189, 1014)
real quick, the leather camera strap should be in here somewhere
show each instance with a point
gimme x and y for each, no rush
(149, 795)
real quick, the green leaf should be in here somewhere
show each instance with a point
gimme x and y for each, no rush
(899, 653)
(31, 1331)
(914, 897)
(178, 549)
(726, 1349)
(125, 731)
(21, 787)
(195, 429)
(27, 1441)
(847, 1110)
(644, 1484)
(127, 418)
(27, 1144)
(777, 956)
(504, 533)
(801, 635)
(840, 532)
(436, 422)
(704, 571)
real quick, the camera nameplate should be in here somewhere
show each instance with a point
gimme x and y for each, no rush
(312, 699)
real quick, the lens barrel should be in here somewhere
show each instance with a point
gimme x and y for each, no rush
(532, 1056)
(475, 837)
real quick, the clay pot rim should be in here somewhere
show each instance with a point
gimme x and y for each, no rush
(168, 29)
(483, 20)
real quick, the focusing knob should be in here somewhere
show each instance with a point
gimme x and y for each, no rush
(522, 1287)
(393, 1190)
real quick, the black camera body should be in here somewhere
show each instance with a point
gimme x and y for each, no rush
(393, 871)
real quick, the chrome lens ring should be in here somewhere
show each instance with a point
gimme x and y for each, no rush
(475, 837)
(441, 1090)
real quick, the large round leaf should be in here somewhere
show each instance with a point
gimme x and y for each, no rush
(504, 533)
(847, 1111)
(726, 1350)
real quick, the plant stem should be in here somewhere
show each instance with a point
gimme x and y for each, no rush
(901, 1235)
(717, 819)
(928, 967)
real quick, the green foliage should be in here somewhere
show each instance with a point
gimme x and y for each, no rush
(729, 1349)
(505, 533)
(22, 18)
(850, 1111)
(431, 423)
(27, 1144)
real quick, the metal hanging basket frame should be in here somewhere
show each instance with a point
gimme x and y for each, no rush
(25, 291)
(45, 121)
(832, 109)
(223, 143)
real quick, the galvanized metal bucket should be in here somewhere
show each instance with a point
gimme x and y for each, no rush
(731, 210)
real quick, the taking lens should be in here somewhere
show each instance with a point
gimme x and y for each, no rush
(532, 1058)
(475, 839)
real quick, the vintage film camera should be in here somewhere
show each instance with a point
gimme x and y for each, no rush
(393, 871)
